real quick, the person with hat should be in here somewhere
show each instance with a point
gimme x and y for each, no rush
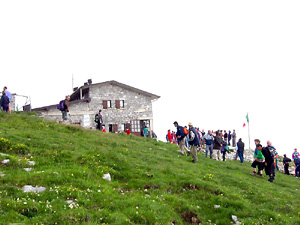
(180, 137)
(194, 141)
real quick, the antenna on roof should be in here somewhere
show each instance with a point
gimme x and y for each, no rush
(72, 82)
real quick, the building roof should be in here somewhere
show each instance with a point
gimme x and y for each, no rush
(113, 82)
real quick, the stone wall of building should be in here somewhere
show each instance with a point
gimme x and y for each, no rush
(136, 107)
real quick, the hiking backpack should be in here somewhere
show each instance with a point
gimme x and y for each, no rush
(96, 118)
(185, 131)
(273, 151)
(61, 106)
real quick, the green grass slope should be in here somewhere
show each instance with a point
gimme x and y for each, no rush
(151, 183)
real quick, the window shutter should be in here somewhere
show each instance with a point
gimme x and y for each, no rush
(118, 104)
(115, 128)
(104, 104)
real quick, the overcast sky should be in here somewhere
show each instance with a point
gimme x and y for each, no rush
(210, 61)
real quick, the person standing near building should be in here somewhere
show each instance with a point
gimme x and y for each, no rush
(99, 120)
(208, 138)
(233, 138)
(66, 109)
(193, 141)
(145, 131)
(8, 94)
(180, 137)
(4, 102)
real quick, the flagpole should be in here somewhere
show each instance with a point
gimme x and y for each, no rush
(248, 130)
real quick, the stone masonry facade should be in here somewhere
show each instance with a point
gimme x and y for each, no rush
(134, 111)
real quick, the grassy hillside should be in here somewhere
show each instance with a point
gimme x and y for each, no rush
(151, 183)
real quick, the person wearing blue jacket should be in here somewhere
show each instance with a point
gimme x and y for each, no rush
(180, 137)
(194, 141)
(4, 102)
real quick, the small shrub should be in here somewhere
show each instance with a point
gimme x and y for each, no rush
(19, 149)
(4, 144)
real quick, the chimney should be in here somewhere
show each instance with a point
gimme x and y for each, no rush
(90, 81)
(75, 89)
(85, 84)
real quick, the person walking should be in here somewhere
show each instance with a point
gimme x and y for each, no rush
(180, 137)
(269, 153)
(194, 142)
(4, 102)
(218, 144)
(233, 138)
(286, 163)
(240, 150)
(208, 138)
(224, 149)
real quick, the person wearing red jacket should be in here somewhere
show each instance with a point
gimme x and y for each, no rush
(169, 135)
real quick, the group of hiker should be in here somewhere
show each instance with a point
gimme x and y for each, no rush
(188, 137)
(5, 100)
(264, 157)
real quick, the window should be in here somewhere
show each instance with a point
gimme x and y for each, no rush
(122, 104)
(119, 104)
(135, 126)
(106, 104)
(109, 104)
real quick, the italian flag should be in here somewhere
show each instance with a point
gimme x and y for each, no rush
(247, 118)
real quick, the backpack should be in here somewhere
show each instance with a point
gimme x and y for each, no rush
(61, 106)
(185, 131)
(96, 118)
(272, 151)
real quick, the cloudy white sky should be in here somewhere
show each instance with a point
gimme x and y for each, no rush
(210, 61)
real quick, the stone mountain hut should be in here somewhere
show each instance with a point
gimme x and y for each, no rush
(123, 107)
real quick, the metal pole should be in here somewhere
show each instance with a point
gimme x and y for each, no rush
(248, 129)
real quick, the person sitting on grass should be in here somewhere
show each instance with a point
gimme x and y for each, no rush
(259, 160)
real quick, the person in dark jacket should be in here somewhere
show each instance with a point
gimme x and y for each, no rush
(224, 149)
(99, 120)
(229, 137)
(286, 163)
(180, 137)
(218, 144)
(269, 161)
(240, 149)
(4, 102)
(194, 141)
(297, 166)
(66, 109)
